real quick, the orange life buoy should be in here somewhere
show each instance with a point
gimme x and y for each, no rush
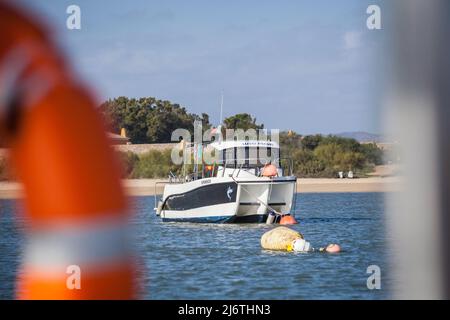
(73, 195)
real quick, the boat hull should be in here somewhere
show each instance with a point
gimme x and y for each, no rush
(227, 200)
(255, 218)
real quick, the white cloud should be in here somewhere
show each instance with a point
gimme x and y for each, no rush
(352, 40)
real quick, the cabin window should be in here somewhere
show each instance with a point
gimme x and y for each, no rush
(275, 156)
(242, 155)
(230, 156)
(247, 156)
(271, 155)
(264, 155)
(253, 155)
(250, 156)
(222, 156)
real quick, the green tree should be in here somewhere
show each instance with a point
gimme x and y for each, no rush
(324, 156)
(131, 114)
(242, 121)
(328, 153)
(290, 141)
(346, 144)
(372, 153)
(148, 120)
(311, 142)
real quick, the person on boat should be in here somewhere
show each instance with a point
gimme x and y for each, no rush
(209, 170)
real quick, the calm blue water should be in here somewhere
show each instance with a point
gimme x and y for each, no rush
(208, 261)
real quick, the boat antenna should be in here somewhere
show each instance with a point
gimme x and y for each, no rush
(221, 108)
(219, 127)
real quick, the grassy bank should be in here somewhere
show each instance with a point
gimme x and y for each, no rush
(152, 164)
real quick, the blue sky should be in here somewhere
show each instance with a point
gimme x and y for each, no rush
(309, 66)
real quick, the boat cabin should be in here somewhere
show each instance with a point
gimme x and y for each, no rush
(245, 158)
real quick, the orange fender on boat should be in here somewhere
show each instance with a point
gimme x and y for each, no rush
(77, 211)
(288, 219)
(269, 170)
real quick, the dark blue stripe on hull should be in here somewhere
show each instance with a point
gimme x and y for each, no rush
(217, 219)
(203, 196)
(255, 218)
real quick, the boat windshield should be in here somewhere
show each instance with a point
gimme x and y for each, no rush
(249, 156)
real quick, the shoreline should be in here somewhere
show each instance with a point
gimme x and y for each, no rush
(146, 187)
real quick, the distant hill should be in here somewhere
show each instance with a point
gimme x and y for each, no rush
(361, 136)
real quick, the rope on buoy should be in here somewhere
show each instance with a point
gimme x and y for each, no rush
(286, 239)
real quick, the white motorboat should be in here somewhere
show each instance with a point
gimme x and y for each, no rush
(248, 182)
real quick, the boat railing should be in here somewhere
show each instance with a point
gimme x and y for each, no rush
(238, 165)
(193, 176)
(244, 162)
(172, 179)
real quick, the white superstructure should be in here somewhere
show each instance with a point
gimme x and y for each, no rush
(246, 181)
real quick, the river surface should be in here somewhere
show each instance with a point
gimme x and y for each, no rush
(225, 261)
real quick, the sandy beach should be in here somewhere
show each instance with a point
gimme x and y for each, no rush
(146, 187)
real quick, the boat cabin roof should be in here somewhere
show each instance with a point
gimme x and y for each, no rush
(222, 145)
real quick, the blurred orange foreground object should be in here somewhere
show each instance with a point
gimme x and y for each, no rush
(74, 198)
(35, 285)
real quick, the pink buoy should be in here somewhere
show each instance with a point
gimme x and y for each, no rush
(333, 248)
